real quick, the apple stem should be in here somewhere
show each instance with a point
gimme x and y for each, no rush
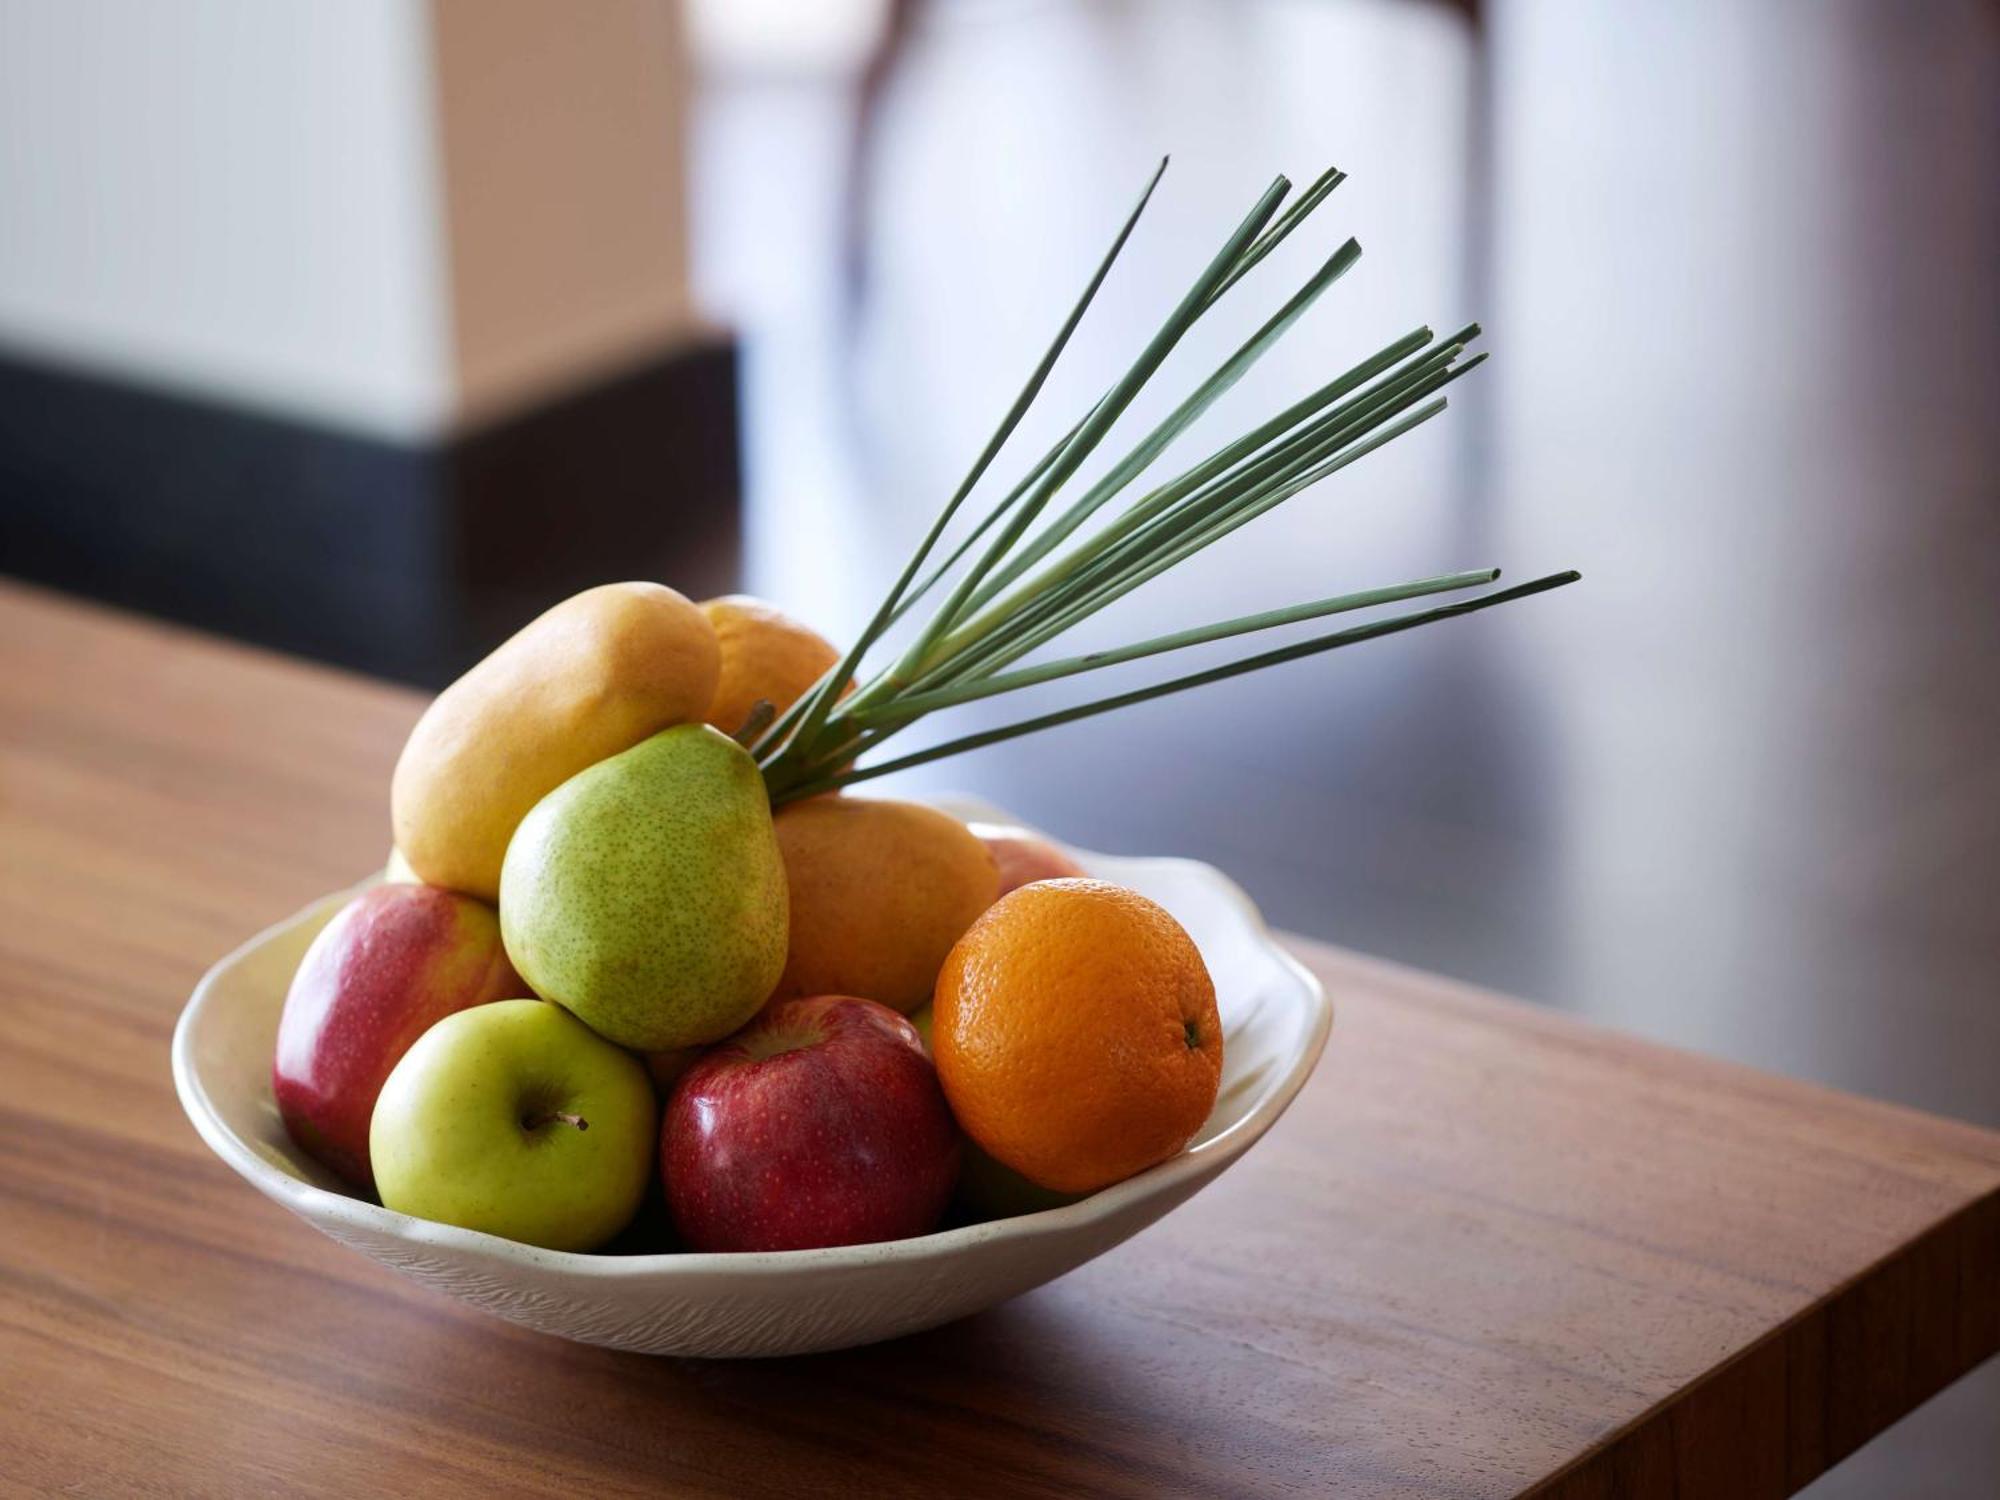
(536, 1122)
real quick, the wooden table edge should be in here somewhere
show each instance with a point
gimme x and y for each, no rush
(1766, 1386)
(1763, 1388)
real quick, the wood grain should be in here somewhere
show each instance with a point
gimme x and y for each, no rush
(1490, 1252)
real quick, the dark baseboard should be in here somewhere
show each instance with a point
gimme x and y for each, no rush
(406, 561)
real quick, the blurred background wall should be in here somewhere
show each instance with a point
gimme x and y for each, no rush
(230, 199)
(357, 329)
(366, 329)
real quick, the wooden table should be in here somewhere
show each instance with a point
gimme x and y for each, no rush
(1490, 1251)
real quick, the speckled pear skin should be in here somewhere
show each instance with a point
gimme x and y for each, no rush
(647, 893)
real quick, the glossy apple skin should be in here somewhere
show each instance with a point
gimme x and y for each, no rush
(392, 962)
(820, 1123)
(1023, 858)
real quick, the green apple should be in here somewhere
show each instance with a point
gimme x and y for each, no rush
(517, 1119)
(990, 1189)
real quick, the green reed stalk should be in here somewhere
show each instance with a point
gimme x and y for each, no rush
(1015, 586)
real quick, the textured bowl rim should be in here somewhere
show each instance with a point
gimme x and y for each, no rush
(1210, 1156)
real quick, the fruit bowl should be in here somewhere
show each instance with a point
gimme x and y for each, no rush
(1275, 1020)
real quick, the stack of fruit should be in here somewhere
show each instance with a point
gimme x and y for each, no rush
(813, 1021)
(812, 1028)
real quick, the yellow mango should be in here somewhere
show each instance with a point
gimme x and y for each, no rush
(589, 678)
(880, 890)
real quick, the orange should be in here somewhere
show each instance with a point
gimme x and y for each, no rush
(1075, 1034)
(765, 654)
(879, 891)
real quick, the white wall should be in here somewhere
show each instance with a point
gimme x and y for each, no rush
(562, 133)
(232, 196)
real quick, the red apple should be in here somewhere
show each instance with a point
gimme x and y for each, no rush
(819, 1123)
(1022, 857)
(393, 960)
(667, 1067)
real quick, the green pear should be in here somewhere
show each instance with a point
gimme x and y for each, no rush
(647, 893)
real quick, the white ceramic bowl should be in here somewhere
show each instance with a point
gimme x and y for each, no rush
(1275, 1020)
